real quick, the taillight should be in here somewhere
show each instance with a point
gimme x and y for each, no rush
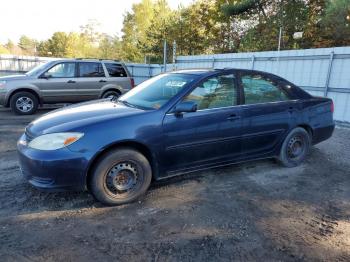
(332, 107)
(132, 82)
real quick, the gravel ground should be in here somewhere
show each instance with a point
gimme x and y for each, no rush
(256, 211)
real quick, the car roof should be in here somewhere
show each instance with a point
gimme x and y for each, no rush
(209, 72)
(200, 71)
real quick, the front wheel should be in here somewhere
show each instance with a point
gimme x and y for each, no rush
(24, 103)
(121, 176)
(295, 147)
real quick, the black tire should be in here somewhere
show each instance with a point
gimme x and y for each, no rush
(120, 176)
(111, 94)
(24, 103)
(295, 147)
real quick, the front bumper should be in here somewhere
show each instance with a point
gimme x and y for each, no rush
(3, 98)
(57, 170)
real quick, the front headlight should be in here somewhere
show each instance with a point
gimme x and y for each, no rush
(54, 141)
(2, 84)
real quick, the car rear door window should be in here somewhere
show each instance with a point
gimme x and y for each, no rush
(91, 70)
(260, 89)
(215, 92)
(62, 70)
(115, 70)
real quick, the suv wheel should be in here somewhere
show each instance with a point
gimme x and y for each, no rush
(24, 103)
(111, 94)
(121, 176)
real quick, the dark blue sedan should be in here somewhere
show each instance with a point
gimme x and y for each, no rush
(172, 124)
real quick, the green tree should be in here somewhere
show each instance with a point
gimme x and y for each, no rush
(134, 30)
(109, 48)
(160, 30)
(28, 45)
(57, 44)
(3, 50)
(336, 23)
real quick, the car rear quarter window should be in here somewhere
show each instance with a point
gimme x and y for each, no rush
(91, 70)
(260, 89)
(115, 70)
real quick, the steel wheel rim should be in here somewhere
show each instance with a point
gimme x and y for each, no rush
(24, 104)
(123, 178)
(296, 147)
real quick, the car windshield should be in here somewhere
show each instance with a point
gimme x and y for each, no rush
(36, 70)
(157, 91)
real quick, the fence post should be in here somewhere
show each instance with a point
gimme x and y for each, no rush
(165, 55)
(149, 71)
(213, 63)
(132, 70)
(331, 58)
(253, 61)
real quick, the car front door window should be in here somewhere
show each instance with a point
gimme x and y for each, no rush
(62, 70)
(216, 92)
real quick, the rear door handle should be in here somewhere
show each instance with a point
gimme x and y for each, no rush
(233, 117)
(71, 82)
(102, 81)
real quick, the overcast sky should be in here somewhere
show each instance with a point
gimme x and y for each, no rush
(40, 18)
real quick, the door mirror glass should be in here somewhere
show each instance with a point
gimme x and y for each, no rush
(187, 106)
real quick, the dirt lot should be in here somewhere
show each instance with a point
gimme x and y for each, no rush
(254, 211)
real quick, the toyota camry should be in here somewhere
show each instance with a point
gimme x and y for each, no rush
(172, 124)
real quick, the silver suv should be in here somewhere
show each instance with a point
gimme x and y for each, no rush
(64, 81)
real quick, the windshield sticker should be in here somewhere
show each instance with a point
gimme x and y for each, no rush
(175, 83)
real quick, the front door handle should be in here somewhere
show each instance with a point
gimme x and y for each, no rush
(71, 82)
(233, 117)
(102, 81)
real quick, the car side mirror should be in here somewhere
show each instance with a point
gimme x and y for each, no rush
(46, 75)
(187, 106)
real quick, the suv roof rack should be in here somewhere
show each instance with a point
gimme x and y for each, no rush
(88, 58)
(99, 59)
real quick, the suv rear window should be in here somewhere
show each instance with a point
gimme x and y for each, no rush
(91, 70)
(115, 70)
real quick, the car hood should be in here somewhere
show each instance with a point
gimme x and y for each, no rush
(14, 77)
(73, 117)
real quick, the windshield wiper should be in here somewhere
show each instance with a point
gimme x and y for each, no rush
(127, 103)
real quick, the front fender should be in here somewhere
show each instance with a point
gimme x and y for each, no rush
(24, 88)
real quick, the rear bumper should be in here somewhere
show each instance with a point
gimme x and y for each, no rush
(322, 133)
(58, 170)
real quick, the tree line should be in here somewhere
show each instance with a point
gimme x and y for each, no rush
(204, 27)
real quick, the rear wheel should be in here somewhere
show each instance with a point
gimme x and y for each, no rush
(295, 147)
(24, 103)
(111, 94)
(121, 176)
